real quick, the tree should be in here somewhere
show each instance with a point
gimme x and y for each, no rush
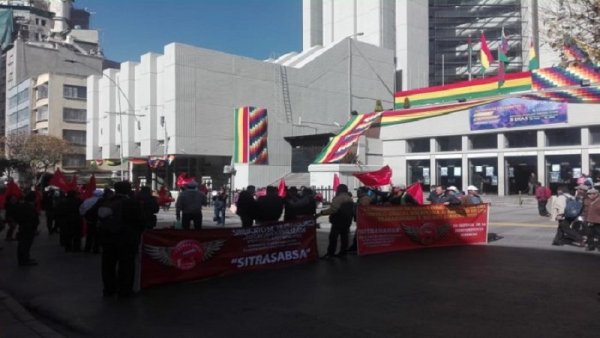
(568, 21)
(39, 152)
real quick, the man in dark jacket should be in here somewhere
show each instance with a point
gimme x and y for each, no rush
(188, 207)
(270, 206)
(246, 206)
(28, 220)
(341, 213)
(121, 225)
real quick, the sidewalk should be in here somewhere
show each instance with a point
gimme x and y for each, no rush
(15, 321)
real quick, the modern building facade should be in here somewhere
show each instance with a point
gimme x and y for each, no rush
(184, 100)
(429, 38)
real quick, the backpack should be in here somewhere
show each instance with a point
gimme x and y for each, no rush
(572, 208)
(110, 216)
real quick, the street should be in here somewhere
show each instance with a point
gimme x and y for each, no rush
(518, 286)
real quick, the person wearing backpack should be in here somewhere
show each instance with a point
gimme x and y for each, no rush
(564, 233)
(120, 224)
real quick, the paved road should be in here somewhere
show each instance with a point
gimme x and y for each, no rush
(517, 286)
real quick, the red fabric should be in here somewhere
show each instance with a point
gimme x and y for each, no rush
(58, 180)
(375, 178)
(89, 188)
(282, 190)
(170, 255)
(73, 184)
(12, 189)
(2, 200)
(394, 228)
(163, 197)
(336, 182)
(184, 179)
(416, 191)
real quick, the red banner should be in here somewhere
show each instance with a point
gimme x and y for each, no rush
(396, 228)
(183, 255)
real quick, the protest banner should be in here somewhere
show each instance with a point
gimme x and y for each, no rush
(170, 255)
(394, 228)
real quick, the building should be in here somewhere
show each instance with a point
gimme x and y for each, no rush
(181, 104)
(429, 38)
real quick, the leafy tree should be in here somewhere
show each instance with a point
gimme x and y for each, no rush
(568, 21)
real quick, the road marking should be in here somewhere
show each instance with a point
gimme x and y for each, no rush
(525, 225)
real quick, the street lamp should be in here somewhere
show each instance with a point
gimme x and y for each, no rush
(350, 68)
(163, 123)
(120, 112)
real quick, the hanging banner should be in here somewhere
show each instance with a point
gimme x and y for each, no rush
(394, 228)
(250, 135)
(516, 112)
(170, 256)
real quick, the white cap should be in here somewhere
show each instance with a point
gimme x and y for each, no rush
(453, 188)
(472, 187)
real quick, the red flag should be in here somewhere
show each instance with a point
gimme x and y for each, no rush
(12, 189)
(58, 180)
(336, 182)
(73, 184)
(184, 179)
(375, 178)
(282, 190)
(416, 191)
(90, 187)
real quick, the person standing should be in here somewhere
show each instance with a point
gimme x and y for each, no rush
(149, 205)
(531, 183)
(219, 204)
(188, 207)
(564, 233)
(472, 196)
(246, 206)
(28, 220)
(91, 220)
(451, 197)
(436, 195)
(121, 225)
(591, 214)
(341, 213)
(69, 221)
(399, 196)
(269, 206)
(542, 195)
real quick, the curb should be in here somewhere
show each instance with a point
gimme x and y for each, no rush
(16, 321)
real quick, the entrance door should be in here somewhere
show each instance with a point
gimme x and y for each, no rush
(563, 170)
(483, 173)
(519, 170)
(449, 172)
(418, 170)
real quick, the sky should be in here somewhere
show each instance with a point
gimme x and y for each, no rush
(254, 28)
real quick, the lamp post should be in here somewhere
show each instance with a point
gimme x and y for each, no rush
(350, 68)
(120, 112)
(163, 123)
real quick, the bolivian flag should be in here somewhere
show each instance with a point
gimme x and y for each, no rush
(485, 54)
(534, 62)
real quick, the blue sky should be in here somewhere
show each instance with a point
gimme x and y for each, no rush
(255, 28)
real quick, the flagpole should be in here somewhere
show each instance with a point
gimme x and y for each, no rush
(470, 57)
(443, 70)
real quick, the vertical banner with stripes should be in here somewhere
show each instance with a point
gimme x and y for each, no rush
(250, 136)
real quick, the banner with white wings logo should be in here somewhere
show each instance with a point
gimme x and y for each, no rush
(182, 255)
(394, 228)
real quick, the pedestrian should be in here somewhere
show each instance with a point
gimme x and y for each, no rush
(542, 195)
(363, 198)
(436, 195)
(591, 215)
(472, 196)
(121, 225)
(341, 213)
(69, 221)
(49, 202)
(399, 196)
(149, 205)
(564, 233)
(292, 198)
(269, 206)
(91, 219)
(581, 196)
(531, 183)
(451, 196)
(10, 206)
(246, 206)
(188, 207)
(219, 205)
(28, 220)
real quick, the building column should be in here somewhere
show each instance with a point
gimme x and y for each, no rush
(585, 151)
(541, 167)
(501, 174)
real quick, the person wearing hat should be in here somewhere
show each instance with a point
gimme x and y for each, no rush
(591, 215)
(451, 197)
(188, 207)
(564, 232)
(472, 196)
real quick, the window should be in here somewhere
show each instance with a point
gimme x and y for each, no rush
(594, 135)
(76, 137)
(563, 137)
(73, 160)
(521, 139)
(42, 91)
(418, 145)
(42, 113)
(74, 92)
(74, 115)
(483, 141)
(449, 143)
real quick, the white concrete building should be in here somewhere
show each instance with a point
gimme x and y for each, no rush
(185, 98)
